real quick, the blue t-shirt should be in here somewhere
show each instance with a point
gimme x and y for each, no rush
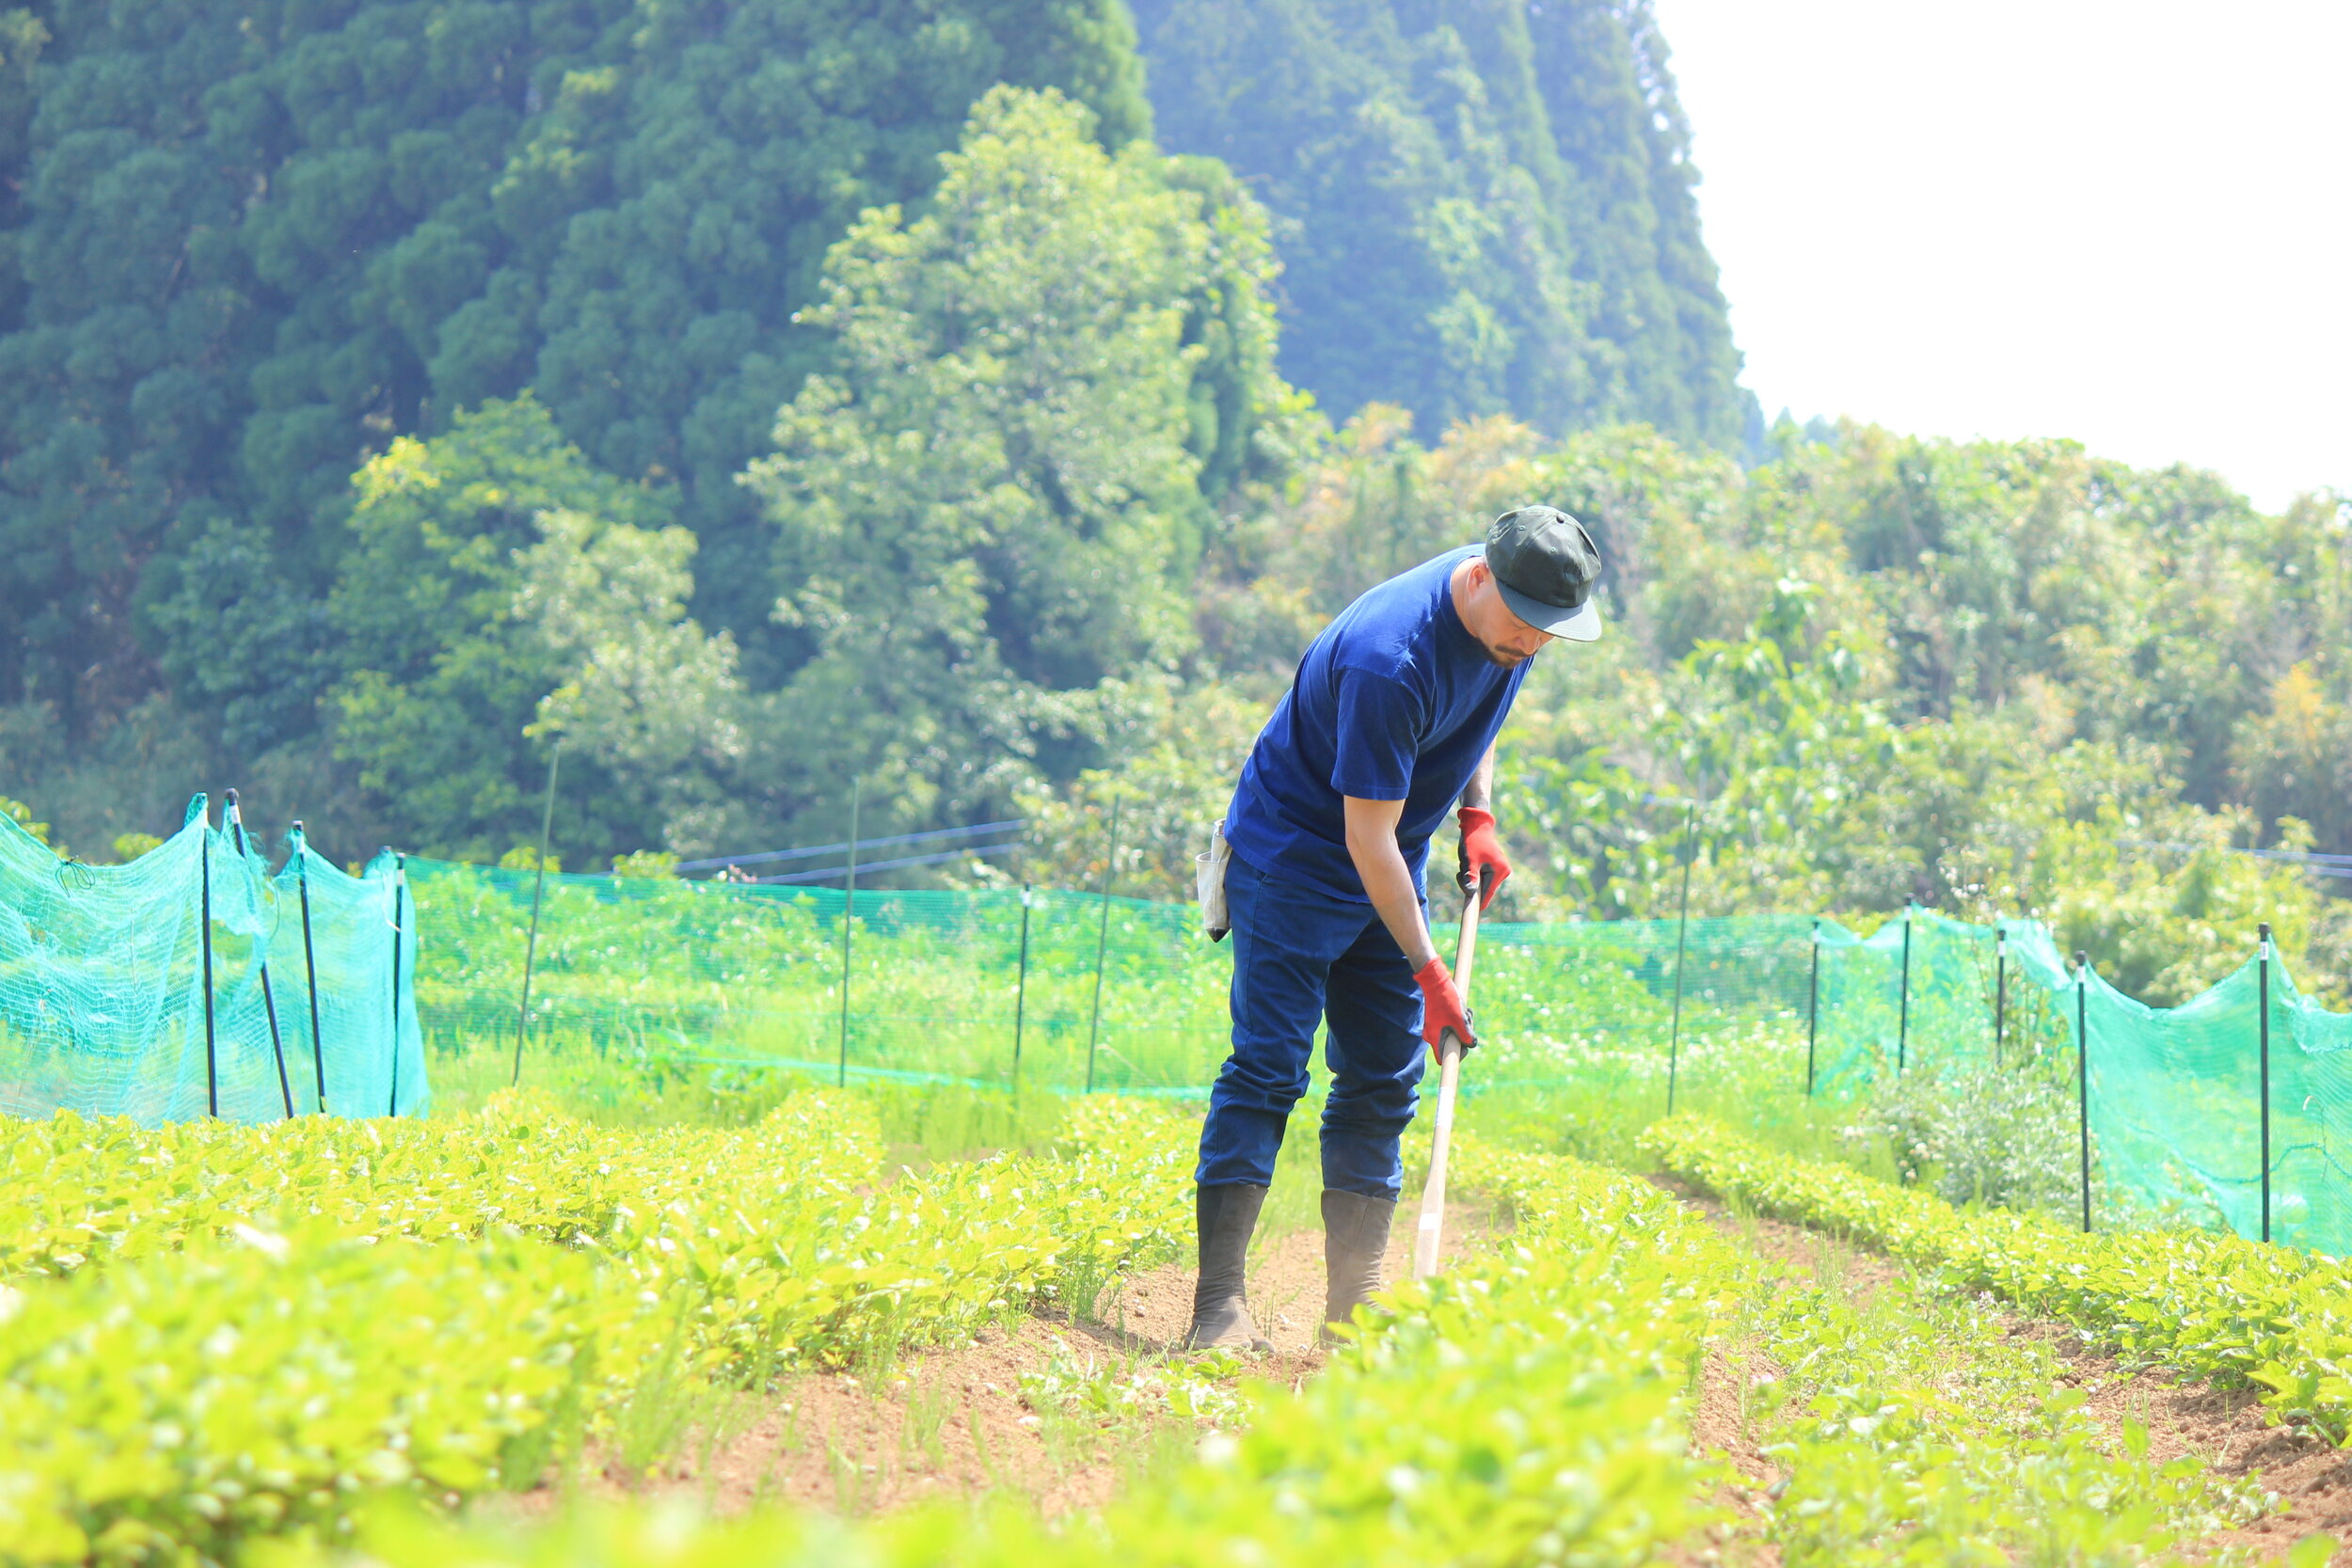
(1396, 700)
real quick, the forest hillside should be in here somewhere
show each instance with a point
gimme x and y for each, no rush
(984, 402)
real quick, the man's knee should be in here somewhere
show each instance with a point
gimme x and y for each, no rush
(1271, 1080)
(1385, 1108)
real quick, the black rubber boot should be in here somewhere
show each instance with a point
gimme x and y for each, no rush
(1221, 1307)
(1355, 1240)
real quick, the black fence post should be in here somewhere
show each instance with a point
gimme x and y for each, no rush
(276, 1044)
(538, 888)
(1102, 942)
(1812, 1008)
(1902, 1021)
(2082, 1074)
(2262, 967)
(310, 963)
(269, 1002)
(1682, 933)
(212, 1059)
(849, 909)
(400, 884)
(2001, 989)
(1020, 988)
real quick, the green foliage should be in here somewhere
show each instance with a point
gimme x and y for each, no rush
(1964, 674)
(1183, 750)
(187, 1402)
(1919, 1428)
(1534, 1404)
(22, 815)
(2212, 1305)
(130, 847)
(437, 1294)
(250, 246)
(2000, 1137)
(1044, 386)
(500, 591)
(1039, 524)
(646, 864)
(1531, 1407)
(1483, 210)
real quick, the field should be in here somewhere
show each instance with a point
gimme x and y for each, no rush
(780, 1322)
(749, 1273)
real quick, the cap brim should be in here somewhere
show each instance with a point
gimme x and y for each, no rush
(1580, 624)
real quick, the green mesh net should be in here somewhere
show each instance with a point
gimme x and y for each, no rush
(995, 986)
(1069, 991)
(2176, 1101)
(113, 1001)
(102, 1005)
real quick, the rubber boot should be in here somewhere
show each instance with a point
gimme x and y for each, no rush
(1355, 1242)
(1220, 1309)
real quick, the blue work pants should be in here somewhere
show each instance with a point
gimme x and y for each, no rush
(1302, 957)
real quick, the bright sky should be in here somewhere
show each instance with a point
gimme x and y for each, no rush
(2126, 223)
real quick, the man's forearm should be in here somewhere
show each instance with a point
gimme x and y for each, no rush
(1480, 792)
(1389, 883)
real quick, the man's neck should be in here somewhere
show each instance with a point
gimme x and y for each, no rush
(1458, 588)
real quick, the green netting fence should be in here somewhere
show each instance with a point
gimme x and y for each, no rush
(997, 987)
(1069, 991)
(102, 1008)
(119, 996)
(2177, 1099)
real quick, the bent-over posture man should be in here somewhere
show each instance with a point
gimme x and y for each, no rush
(1393, 719)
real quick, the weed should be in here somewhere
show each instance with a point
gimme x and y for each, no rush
(1996, 1138)
(1080, 1286)
(850, 1494)
(665, 1402)
(978, 1428)
(557, 1441)
(927, 1406)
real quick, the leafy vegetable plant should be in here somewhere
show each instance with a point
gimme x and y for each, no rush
(210, 1333)
(2213, 1304)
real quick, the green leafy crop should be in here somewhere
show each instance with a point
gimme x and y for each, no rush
(210, 1333)
(2216, 1305)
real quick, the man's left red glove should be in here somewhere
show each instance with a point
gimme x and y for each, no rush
(1481, 854)
(1442, 1008)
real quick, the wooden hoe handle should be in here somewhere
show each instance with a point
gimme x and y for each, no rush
(1449, 1049)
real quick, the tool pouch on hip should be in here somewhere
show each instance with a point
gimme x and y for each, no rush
(1208, 872)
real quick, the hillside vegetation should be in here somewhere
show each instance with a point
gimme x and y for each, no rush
(1481, 208)
(763, 396)
(247, 250)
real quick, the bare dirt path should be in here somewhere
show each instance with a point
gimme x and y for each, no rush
(954, 1422)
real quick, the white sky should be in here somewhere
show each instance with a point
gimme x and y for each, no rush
(2126, 223)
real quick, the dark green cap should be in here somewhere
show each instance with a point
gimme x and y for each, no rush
(1546, 566)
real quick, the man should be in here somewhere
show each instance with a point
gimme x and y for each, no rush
(1392, 718)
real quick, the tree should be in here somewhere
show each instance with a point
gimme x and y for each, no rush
(502, 593)
(1483, 210)
(251, 245)
(995, 507)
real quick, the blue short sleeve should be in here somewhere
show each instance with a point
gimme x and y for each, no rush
(1379, 731)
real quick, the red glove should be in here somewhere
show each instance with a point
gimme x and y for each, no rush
(1481, 852)
(1441, 1007)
